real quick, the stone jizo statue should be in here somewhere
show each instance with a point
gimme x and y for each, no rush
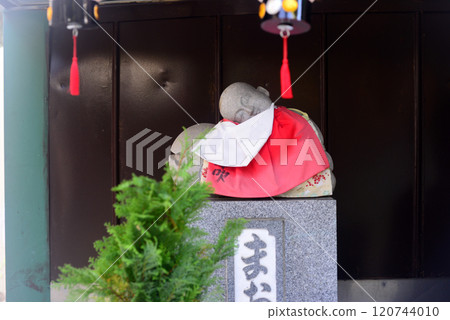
(261, 150)
(240, 102)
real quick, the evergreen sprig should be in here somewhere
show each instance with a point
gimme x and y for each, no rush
(166, 258)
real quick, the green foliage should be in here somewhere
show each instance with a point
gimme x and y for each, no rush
(165, 259)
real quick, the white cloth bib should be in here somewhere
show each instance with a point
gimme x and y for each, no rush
(235, 145)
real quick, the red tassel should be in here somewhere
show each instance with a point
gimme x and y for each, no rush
(74, 73)
(285, 74)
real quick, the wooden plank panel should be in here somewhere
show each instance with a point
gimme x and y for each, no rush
(436, 142)
(180, 56)
(79, 146)
(110, 11)
(371, 139)
(358, 6)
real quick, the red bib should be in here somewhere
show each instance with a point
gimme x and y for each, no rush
(291, 155)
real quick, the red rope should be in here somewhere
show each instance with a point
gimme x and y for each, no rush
(74, 46)
(285, 48)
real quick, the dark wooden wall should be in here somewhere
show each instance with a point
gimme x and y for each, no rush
(380, 95)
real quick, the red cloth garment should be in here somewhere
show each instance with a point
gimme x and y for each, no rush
(291, 155)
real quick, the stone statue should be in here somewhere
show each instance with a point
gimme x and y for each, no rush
(240, 101)
(189, 134)
(250, 116)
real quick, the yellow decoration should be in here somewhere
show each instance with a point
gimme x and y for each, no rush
(262, 10)
(96, 12)
(49, 14)
(290, 5)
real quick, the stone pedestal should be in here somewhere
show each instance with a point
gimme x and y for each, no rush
(287, 251)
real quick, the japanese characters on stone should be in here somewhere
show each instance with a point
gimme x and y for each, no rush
(255, 267)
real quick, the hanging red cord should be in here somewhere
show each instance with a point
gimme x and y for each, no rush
(74, 73)
(285, 73)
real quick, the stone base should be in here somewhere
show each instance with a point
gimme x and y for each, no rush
(298, 266)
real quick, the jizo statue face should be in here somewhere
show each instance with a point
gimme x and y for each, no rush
(240, 101)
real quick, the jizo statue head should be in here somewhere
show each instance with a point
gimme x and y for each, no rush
(240, 101)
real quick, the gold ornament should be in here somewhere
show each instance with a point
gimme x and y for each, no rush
(290, 5)
(49, 14)
(96, 15)
(262, 10)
